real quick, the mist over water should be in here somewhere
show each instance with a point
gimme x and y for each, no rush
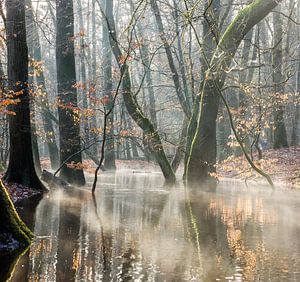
(139, 230)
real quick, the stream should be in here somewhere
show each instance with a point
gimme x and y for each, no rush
(135, 229)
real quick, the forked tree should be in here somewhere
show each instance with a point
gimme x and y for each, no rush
(203, 148)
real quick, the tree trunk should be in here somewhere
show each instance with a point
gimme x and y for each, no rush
(151, 135)
(92, 76)
(34, 137)
(134, 149)
(202, 156)
(211, 37)
(11, 226)
(83, 79)
(280, 136)
(144, 50)
(179, 153)
(241, 100)
(296, 123)
(21, 165)
(36, 54)
(110, 159)
(69, 127)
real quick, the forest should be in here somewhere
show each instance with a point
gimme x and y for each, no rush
(149, 140)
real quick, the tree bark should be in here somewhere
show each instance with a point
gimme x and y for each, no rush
(69, 127)
(83, 78)
(110, 159)
(151, 135)
(36, 54)
(202, 156)
(21, 165)
(280, 136)
(210, 40)
(11, 226)
(296, 123)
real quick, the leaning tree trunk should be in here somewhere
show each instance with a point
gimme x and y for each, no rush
(12, 229)
(145, 57)
(183, 100)
(69, 127)
(151, 135)
(202, 156)
(21, 165)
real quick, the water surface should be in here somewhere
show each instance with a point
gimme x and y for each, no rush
(137, 230)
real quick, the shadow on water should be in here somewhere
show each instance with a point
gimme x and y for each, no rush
(8, 262)
(136, 229)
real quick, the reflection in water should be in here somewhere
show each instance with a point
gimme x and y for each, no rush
(135, 230)
(8, 263)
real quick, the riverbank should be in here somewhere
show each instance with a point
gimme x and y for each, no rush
(19, 192)
(283, 165)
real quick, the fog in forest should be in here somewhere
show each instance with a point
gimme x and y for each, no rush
(149, 140)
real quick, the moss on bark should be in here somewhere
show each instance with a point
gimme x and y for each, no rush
(151, 136)
(11, 225)
(202, 154)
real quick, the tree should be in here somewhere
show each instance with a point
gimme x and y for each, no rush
(280, 136)
(21, 165)
(69, 127)
(211, 35)
(151, 135)
(109, 161)
(12, 229)
(183, 99)
(35, 54)
(202, 156)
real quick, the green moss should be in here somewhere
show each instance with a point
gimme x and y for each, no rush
(10, 221)
(243, 22)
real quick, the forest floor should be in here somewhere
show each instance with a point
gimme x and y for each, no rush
(283, 165)
(19, 192)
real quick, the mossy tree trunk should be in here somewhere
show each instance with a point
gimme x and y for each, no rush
(151, 135)
(202, 156)
(12, 227)
(21, 165)
(211, 37)
(69, 127)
